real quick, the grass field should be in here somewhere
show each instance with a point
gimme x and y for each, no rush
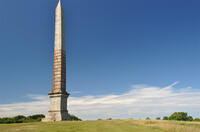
(104, 126)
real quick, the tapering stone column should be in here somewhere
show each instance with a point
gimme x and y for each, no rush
(58, 96)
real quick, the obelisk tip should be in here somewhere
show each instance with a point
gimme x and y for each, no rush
(59, 3)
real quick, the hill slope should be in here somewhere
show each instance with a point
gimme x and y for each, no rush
(104, 126)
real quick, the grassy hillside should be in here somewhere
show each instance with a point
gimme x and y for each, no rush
(104, 126)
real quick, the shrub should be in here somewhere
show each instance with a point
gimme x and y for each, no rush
(6, 120)
(148, 118)
(190, 118)
(158, 118)
(34, 118)
(197, 119)
(74, 118)
(165, 118)
(21, 119)
(109, 119)
(180, 116)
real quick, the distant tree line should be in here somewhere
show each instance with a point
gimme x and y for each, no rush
(26, 119)
(179, 116)
(21, 119)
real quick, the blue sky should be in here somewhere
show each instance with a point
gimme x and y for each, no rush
(111, 46)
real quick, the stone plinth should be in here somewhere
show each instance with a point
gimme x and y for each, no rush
(58, 108)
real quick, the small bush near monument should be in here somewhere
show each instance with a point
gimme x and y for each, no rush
(35, 118)
(74, 118)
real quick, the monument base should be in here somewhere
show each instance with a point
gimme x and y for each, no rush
(58, 108)
(53, 116)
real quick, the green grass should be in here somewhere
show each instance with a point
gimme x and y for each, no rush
(104, 126)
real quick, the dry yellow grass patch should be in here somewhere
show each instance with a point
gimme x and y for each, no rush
(170, 126)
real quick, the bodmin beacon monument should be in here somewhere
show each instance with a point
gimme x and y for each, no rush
(58, 96)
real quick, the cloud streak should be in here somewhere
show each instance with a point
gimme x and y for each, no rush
(141, 101)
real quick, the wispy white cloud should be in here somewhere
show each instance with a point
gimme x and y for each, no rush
(141, 101)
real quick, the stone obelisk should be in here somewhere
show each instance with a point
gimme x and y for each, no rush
(58, 96)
